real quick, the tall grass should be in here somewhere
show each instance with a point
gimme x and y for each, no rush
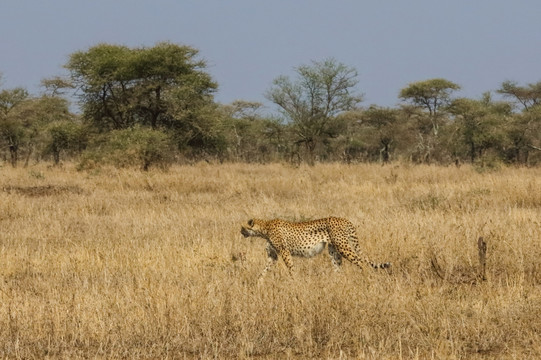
(128, 264)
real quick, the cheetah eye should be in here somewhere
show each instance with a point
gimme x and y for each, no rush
(251, 222)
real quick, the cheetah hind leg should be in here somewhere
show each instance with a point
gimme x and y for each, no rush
(352, 257)
(336, 257)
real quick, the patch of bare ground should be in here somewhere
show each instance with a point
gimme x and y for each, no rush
(43, 190)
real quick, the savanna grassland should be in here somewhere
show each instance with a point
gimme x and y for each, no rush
(129, 264)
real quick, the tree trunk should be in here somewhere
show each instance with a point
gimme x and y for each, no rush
(385, 151)
(472, 151)
(27, 158)
(13, 152)
(311, 146)
(56, 157)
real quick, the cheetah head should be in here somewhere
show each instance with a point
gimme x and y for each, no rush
(253, 228)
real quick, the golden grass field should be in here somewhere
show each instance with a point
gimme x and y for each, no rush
(128, 264)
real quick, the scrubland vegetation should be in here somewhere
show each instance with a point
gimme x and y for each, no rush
(119, 263)
(154, 107)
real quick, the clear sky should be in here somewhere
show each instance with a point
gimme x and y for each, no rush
(247, 43)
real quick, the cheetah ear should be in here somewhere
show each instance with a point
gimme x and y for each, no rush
(251, 222)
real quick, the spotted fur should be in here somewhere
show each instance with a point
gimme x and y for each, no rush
(307, 239)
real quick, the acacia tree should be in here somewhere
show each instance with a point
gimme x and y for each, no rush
(384, 124)
(479, 125)
(432, 95)
(23, 120)
(252, 137)
(120, 87)
(314, 98)
(65, 135)
(11, 128)
(523, 130)
(164, 88)
(528, 96)
(56, 86)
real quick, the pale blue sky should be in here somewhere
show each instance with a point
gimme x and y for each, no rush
(247, 43)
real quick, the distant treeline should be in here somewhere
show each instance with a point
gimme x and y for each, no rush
(154, 106)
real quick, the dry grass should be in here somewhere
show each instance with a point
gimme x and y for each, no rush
(125, 264)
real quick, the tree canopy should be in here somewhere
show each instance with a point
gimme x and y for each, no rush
(528, 96)
(120, 87)
(311, 102)
(431, 94)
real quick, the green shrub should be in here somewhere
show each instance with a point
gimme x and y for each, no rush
(133, 147)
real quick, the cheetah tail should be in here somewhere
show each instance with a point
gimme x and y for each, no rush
(386, 265)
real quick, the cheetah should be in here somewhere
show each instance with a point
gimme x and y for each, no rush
(307, 239)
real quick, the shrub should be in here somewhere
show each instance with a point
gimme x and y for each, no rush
(133, 147)
(65, 136)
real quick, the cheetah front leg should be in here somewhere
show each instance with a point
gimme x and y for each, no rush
(272, 258)
(286, 255)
